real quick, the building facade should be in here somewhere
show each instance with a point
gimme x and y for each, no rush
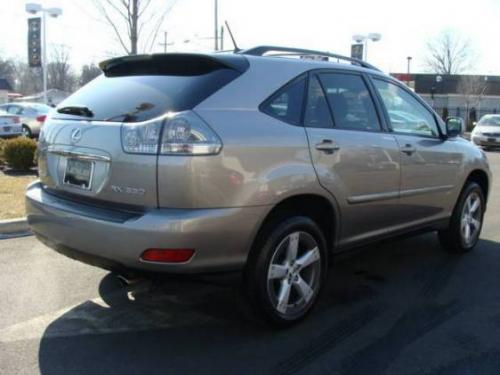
(466, 96)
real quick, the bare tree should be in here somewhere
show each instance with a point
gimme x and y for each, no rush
(449, 53)
(7, 70)
(471, 88)
(28, 80)
(88, 73)
(60, 74)
(135, 23)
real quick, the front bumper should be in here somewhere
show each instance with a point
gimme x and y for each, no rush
(486, 141)
(115, 240)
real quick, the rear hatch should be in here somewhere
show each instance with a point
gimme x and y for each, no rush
(102, 143)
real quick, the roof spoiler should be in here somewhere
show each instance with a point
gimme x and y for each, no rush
(180, 64)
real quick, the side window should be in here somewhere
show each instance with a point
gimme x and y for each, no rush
(350, 100)
(406, 114)
(286, 104)
(14, 109)
(317, 114)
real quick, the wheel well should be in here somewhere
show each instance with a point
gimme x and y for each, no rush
(316, 207)
(481, 178)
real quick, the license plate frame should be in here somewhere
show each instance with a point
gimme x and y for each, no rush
(81, 179)
(7, 129)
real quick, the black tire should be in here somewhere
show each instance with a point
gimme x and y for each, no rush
(453, 238)
(270, 253)
(27, 131)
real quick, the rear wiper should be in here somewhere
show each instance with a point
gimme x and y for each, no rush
(76, 110)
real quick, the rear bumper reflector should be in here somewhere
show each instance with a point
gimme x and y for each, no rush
(167, 255)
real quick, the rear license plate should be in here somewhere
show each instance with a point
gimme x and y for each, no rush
(78, 173)
(7, 129)
(492, 139)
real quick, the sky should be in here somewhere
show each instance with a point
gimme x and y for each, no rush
(406, 27)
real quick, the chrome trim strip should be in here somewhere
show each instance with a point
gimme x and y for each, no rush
(395, 194)
(79, 155)
(373, 197)
(433, 189)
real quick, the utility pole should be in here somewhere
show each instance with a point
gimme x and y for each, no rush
(408, 71)
(164, 44)
(216, 25)
(222, 38)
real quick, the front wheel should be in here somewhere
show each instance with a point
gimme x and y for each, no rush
(286, 270)
(466, 222)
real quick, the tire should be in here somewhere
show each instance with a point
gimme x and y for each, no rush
(286, 270)
(27, 131)
(467, 217)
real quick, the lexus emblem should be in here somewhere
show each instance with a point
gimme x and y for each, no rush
(76, 135)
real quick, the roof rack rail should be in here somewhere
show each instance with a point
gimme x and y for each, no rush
(261, 50)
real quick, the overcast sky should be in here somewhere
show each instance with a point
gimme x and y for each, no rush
(320, 24)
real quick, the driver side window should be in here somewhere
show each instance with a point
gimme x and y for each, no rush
(406, 114)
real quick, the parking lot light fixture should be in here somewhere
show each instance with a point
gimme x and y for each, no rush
(364, 38)
(34, 8)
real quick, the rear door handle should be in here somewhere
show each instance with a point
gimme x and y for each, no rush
(327, 146)
(408, 149)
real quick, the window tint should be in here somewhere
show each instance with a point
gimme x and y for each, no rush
(350, 101)
(139, 97)
(406, 114)
(317, 114)
(286, 104)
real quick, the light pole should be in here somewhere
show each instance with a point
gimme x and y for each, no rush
(408, 70)
(34, 8)
(364, 38)
(216, 25)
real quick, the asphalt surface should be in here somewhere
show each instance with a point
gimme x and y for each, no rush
(401, 307)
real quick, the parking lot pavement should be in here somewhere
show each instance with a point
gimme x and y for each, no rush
(402, 307)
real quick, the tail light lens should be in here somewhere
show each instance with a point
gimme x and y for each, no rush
(16, 120)
(41, 118)
(182, 133)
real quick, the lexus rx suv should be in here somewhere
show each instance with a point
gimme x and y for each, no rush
(264, 165)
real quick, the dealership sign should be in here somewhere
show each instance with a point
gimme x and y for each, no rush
(34, 42)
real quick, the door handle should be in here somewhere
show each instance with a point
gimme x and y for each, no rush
(408, 149)
(327, 146)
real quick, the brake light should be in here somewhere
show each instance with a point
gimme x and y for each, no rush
(41, 118)
(167, 255)
(16, 120)
(182, 133)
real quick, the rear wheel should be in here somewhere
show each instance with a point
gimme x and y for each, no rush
(286, 270)
(27, 131)
(466, 222)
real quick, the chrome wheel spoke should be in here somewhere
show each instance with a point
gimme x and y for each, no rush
(277, 271)
(474, 205)
(475, 223)
(467, 232)
(308, 258)
(293, 247)
(284, 296)
(303, 288)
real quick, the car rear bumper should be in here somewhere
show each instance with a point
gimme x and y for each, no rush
(115, 240)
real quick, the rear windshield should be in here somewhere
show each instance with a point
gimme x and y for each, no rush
(138, 98)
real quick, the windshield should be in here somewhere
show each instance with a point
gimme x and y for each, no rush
(490, 121)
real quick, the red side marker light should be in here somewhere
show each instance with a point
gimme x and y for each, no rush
(167, 255)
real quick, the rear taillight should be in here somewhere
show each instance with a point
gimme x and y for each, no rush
(41, 118)
(167, 255)
(16, 120)
(182, 133)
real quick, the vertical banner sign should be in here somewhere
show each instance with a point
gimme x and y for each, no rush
(357, 51)
(34, 42)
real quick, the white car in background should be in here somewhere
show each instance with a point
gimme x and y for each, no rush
(487, 132)
(10, 125)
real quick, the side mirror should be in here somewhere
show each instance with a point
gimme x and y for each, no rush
(454, 126)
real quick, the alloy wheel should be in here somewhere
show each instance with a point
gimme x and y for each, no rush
(470, 222)
(293, 277)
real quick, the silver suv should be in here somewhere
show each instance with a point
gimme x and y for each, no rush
(196, 164)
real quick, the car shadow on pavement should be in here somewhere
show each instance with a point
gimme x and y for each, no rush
(385, 299)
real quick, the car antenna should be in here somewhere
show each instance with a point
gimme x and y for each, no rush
(236, 48)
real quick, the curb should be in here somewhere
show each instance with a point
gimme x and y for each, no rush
(12, 228)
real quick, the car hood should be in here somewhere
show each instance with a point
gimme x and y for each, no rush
(487, 129)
